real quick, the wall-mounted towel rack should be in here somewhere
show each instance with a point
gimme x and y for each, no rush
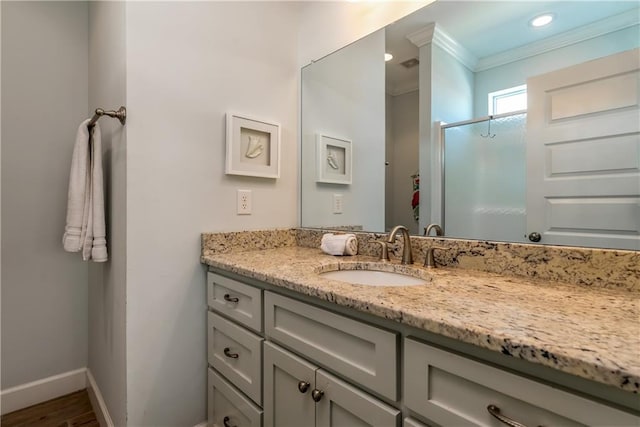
(120, 114)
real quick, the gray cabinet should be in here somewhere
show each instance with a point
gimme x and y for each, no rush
(307, 366)
(300, 394)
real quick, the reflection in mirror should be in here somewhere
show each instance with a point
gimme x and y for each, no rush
(463, 61)
(477, 157)
(342, 100)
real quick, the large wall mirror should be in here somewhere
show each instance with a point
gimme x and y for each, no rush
(481, 122)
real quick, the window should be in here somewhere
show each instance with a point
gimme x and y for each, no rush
(508, 100)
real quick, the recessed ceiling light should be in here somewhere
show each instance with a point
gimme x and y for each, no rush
(388, 57)
(541, 20)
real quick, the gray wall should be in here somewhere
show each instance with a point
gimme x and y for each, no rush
(343, 97)
(188, 63)
(405, 137)
(44, 98)
(107, 282)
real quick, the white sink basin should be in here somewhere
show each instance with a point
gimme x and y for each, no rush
(373, 278)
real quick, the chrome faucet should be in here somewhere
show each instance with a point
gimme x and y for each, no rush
(407, 256)
(436, 227)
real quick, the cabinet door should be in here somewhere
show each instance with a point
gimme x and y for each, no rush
(343, 405)
(288, 382)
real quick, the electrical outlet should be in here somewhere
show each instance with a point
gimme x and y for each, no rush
(244, 202)
(337, 203)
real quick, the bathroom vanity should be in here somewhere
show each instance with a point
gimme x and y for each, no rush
(287, 347)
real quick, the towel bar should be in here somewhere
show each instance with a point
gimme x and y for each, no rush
(120, 114)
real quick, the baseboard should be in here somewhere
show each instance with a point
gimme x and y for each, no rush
(97, 402)
(25, 395)
(202, 424)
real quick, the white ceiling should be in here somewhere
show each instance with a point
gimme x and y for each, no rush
(487, 28)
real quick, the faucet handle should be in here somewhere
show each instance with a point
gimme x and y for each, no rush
(384, 253)
(429, 260)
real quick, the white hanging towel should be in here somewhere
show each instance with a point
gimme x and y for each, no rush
(85, 228)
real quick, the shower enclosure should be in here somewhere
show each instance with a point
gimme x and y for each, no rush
(484, 174)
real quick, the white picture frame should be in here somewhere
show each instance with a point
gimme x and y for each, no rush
(253, 147)
(334, 160)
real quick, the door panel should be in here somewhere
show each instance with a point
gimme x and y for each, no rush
(284, 404)
(343, 405)
(583, 154)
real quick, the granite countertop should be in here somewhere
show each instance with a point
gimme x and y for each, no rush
(588, 332)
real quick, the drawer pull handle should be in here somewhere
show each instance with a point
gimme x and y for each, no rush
(229, 298)
(316, 395)
(227, 352)
(225, 421)
(303, 386)
(495, 412)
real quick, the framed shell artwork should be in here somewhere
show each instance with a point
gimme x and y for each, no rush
(253, 147)
(334, 160)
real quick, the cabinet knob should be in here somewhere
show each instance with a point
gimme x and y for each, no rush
(495, 412)
(227, 352)
(229, 298)
(303, 386)
(316, 395)
(225, 421)
(535, 236)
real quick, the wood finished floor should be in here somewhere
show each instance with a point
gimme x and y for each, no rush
(71, 410)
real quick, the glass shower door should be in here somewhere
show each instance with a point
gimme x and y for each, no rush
(484, 179)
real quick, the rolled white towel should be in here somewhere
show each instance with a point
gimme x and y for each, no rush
(339, 244)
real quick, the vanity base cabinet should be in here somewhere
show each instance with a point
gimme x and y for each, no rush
(449, 389)
(228, 407)
(280, 352)
(299, 394)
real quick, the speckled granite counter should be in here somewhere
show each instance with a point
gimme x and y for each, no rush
(592, 333)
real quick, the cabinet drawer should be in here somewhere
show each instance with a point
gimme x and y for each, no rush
(363, 353)
(237, 354)
(236, 300)
(453, 390)
(227, 403)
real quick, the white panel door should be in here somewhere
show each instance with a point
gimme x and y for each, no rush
(583, 154)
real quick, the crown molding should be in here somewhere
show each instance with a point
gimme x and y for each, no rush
(455, 49)
(423, 36)
(586, 32)
(431, 33)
